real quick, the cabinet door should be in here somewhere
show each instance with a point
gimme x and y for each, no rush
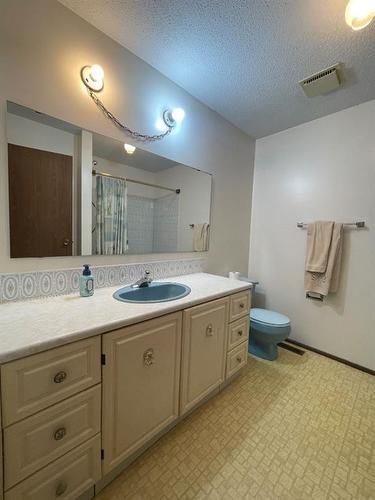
(203, 351)
(140, 385)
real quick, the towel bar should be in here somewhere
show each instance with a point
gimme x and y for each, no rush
(358, 224)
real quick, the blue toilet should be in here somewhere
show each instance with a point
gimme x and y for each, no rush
(267, 329)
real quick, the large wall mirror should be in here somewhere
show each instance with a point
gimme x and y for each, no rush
(75, 192)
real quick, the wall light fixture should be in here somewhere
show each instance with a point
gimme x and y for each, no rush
(359, 13)
(93, 78)
(129, 148)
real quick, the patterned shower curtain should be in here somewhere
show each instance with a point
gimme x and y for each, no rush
(111, 216)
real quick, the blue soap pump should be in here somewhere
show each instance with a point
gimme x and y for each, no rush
(86, 282)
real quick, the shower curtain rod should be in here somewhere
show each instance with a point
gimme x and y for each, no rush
(134, 181)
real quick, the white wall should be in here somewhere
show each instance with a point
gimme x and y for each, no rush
(43, 46)
(24, 132)
(324, 169)
(194, 200)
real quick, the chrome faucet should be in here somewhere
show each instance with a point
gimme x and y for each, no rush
(146, 280)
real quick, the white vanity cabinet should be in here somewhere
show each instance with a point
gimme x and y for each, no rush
(141, 377)
(75, 415)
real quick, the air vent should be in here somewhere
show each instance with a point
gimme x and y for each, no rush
(322, 83)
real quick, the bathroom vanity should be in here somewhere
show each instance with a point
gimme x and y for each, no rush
(81, 399)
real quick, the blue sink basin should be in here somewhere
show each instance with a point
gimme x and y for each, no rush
(155, 292)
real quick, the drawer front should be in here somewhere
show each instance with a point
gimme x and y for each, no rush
(238, 332)
(33, 383)
(36, 441)
(239, 305)
(67, 478)
(236, 359)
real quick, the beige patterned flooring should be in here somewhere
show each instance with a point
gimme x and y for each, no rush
(297, 428)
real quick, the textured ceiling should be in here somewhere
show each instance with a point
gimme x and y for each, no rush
(244, 58)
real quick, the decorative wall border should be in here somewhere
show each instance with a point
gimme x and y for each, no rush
(35, 284)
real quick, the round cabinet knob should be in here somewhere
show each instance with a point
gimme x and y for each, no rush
(67, 242)
(239, 359)
(209, 330)
(60, 434)
(240, 333)
(61, 488)
(148, 357)
(242, 305)
(59, 377)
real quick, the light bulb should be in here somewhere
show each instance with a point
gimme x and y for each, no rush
(129, 148)
(97, 72)
(178, 114)
(93, 77)
(359, 13)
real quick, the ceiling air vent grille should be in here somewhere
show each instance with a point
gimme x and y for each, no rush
(321, 83)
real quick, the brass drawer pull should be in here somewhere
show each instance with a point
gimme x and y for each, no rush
(148, 357)
(59, 434)
(59, 377)
(61, 488)
(239, 359)
(209, 330)
(240, 333)
(242, 305)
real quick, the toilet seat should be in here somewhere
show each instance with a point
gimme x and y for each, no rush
(270, 318)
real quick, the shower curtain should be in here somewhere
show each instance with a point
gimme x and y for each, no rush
(111, 216)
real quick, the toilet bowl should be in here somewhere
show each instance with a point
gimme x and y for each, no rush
(267, 329)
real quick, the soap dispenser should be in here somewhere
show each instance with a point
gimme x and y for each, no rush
(86, 282)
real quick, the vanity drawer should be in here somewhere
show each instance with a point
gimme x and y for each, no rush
(236, 359)
(36, 441)
(33, 383)
(238, 332)
(239, 305)
(68, 477)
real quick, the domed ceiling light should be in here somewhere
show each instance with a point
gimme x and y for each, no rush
(359, 13)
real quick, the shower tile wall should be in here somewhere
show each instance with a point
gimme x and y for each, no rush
(140, 224)
(152, 224)
(165, 223)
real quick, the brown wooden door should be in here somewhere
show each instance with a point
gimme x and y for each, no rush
(40, 202)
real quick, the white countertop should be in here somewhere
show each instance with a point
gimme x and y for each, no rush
(37, 325)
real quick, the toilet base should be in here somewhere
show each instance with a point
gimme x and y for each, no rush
(264, 351)
(263, 339)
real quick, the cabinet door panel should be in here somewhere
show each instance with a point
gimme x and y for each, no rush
(203, 351)
(140, 385)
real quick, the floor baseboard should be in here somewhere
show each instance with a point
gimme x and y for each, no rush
(331, 356)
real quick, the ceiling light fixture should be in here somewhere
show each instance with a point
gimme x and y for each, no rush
(93, 78)
(129, 148)
(359, 13)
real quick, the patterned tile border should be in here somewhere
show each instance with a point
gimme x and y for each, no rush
(31, 285)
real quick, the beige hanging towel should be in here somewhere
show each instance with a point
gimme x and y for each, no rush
(319, 236)
(200, 237)
(323, 252)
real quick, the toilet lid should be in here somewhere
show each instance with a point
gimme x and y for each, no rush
(267, 317)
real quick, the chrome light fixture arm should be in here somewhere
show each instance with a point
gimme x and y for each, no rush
(93, 79)
(116, 122)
